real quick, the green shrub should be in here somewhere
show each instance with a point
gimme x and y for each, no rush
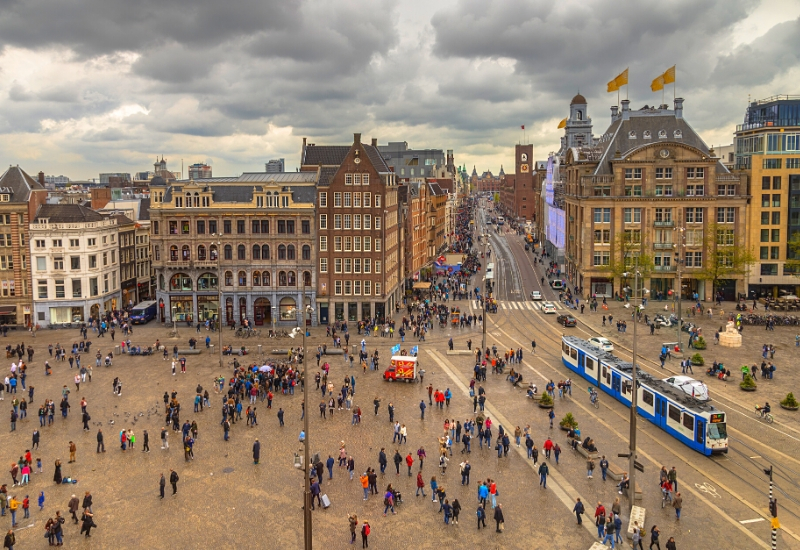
(546, 400)
(748, 382)
(700, 343)
(790, 401)
(698, 360)
(569, 422)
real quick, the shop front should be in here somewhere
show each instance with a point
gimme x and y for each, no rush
(129, 296)
(288, 309)
(112, 304)
(366, 311)
(661, 289)
(182, 308)
(207, 306)
(323, 313)
(338, 311)
(602, 287)
(352, 312)
(8, 315)
(143, 292)
(380, 312)
(262, 312)
(692, 287)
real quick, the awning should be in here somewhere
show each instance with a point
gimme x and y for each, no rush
(8, 310)
(423, 285)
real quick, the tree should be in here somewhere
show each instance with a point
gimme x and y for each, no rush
(626, 247)
(723, 259)
(792, 264)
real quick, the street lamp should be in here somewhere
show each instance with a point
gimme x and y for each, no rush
(485, 238)
(219, 295)
(679, 249)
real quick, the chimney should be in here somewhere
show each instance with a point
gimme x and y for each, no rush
(614, 112)
(41, 178)
(374, 142)
(626, 109)
(678, 107)
(357, 139)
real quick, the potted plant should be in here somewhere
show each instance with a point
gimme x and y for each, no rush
(546, 402)
(568, 422)
(790, 403)
(748, 384)
(699, 343)
(697, 360)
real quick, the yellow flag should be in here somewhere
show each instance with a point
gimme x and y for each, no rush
(622, 78)
(657, 84)
(612, 86)
(669, 75)
(563, 123)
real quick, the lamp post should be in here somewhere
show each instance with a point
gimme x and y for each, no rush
(219, 296)
(274, 311)
(307, 526)
(634, 387)
(679, 248)
(486, 294)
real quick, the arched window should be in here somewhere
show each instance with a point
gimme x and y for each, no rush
(201, 253)
(256, 252)
(173, 253)
(186, 255)
(266, 278)
(306, 252)
(306, 278)
(207, 281)
(290, 252)
(282, 278)
(212, 252)
(240, 252)
(292, 279)
(256, 278)
(197, 200)
(228, 252)
(180, 282)
(242, 278)
(281, 252)
(265, 252)
(228, 278)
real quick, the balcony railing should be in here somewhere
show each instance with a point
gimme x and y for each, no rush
(205, 263)
(668, 223)
(662, 246)
(665, 268)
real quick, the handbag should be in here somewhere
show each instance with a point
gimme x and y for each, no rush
(502, 525)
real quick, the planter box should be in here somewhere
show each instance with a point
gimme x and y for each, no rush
(543, 406)
(748, 389)
(788, 408)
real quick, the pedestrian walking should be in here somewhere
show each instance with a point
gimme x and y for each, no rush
(579, 510)
(677, 503)
(173, 480)
(162, 483)
(543, 472)
(365, 532)
(499, 518)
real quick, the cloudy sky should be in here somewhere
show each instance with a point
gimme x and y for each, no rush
(89, 86)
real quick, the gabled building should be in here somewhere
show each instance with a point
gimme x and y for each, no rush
(360, 237)
(20, 196)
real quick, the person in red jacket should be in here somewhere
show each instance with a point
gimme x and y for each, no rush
(600, 519)
(548, 446)
(409, 462)
(420, 484)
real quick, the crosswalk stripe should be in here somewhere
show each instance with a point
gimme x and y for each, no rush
(528, 305)
(503, 305)
(515, 304)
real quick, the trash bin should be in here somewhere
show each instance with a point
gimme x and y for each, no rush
(116, 350)
(211, 347)
(259, 349)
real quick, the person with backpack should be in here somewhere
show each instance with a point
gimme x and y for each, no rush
(579, 510)
(365, 531)
(481, 517)
(173, 480)
(352, 519)
(388, 502)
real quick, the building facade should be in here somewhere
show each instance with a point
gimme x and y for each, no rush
(74, 258)
(652, 188)
(255, 230)
(360, 253)
(767, 149)
(20, 196)
(127, 260)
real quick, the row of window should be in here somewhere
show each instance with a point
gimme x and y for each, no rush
(660, 260)
(350, 200)
(665, 173)
(181, 282)
(257, 227)
(258, 252)
(350, 244)
(355, 288)
(725, 214)
(666, 190)
(75, 261)
(351, 265)
(74, 243)
(76, 286)
(775, 164)
(351, 221)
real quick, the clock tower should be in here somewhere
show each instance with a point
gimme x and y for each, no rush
(523, 183)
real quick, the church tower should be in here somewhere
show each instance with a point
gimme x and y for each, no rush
(579, 125)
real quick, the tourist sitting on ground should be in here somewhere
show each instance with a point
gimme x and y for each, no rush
(589, 445)
(532, 389)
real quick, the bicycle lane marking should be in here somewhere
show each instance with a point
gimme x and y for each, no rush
(657, 464)
(565, 492)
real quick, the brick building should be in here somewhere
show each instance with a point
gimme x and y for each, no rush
(359, 235)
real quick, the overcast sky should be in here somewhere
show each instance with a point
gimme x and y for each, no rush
(90, 86)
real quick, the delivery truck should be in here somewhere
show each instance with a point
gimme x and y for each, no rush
(402, 368)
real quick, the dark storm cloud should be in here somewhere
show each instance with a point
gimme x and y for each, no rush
(96, 27)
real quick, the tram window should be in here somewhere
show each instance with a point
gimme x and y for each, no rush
(699, 436)
(607, 375)
(589, 363)
(564, 347)
(626, 387)
(647, 397)
(573, 353)
(674, 413)
(688, 421)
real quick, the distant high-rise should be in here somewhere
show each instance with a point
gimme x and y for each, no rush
(275, 165)
(199, 171)
(116, 176)
(56, 179)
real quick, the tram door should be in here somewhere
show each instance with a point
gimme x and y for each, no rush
(661, 411)
(700, 431)
(615, 384)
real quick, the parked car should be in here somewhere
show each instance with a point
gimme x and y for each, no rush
(602, 343)
(567, 320)
(536, 295)
(556, 285)
(690, 386)
(548, 307)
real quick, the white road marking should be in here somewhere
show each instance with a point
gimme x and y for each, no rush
(746, 521)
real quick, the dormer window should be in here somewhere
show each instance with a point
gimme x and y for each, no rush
(646, 134)
(678, 134)
(662, 134)
(631, 135)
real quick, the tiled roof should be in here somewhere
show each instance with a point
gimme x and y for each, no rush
(325, 155)
(377, 159)
(326, 175)
(67, 213)
(19, 184)
(227, 192)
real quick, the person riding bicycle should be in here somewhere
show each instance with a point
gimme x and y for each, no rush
(764, 410)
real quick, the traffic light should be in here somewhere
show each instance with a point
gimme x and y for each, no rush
(773, 507)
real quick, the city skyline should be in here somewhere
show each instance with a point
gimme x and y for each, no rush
(234, 89)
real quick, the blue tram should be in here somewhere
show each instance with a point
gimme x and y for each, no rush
(694, 423)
